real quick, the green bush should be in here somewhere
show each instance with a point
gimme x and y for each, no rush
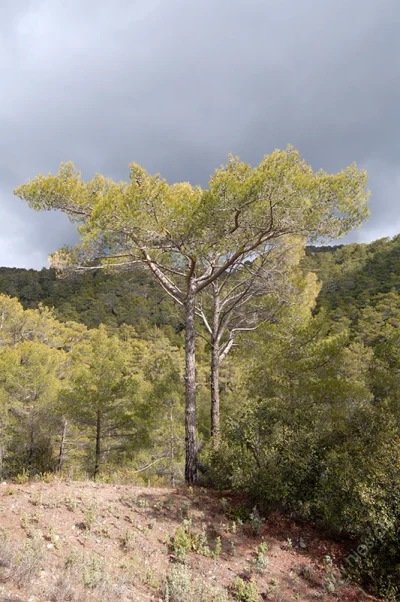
(244, 591)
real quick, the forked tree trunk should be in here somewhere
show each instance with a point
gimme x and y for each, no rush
(190, 385)
(98, 445)
(61, 455)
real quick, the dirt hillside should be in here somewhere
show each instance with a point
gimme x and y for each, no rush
(83, 541)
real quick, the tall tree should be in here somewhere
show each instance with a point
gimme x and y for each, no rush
(31, 378)
(101, 393)
(188, 237)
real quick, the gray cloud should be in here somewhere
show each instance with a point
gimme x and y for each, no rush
(177, 85)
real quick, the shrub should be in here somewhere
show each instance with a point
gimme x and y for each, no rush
(244, 591)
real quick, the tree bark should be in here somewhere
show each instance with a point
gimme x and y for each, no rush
(98, 445)
(190, 384)
(1, 449)
(215, 363)
(60, 460)
(172, 448)
(215, 402)
(31, 449)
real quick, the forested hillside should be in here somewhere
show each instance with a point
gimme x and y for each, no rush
(310, 400)
(355, 276)
(92, 298)
(195, 339)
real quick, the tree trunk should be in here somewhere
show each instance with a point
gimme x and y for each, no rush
(215, 404)
(60, 460)
(172, 448)
(98, 445)
(1, 450)
(190, 384)
(31, 450)
(215, 362)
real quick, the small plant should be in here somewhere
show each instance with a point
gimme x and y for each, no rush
(93, 572)
(184, 510)
(240, 514)
(129, 500)
(22, 477)
(332, 575)
(4, 534)
(71, 504)
(149, 576)
(221, 597)
(181, 543)
(45, 477)
(256, 521)
(37, 500)
(178, 585)
(273, 588)
(50, 502)
(90, 517)
(62, 590)
(232, 550)
(152, 524)
(72, 559)
(128, 541)
(305, 571)
(260, 562)
(28, 561)
(103, 531)
(25, 520)
(54, 538)
(244, 591)
(224, 503)
(289, 543)
(200, 543)
(218, 548)
(185, 541)
(169, 502)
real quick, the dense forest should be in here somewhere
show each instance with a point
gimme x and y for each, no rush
(92, 371)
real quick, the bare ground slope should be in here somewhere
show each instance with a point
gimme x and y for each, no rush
(84, 541)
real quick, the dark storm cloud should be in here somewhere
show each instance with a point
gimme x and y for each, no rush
(177, 85)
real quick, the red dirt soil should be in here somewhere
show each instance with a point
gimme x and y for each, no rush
(128, 529)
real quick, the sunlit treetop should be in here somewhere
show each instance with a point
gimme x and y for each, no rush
(184, 229)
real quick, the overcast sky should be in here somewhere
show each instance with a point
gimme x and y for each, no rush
(176, 85)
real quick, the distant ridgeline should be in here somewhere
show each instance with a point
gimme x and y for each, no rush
(93, 297)
(353, 276)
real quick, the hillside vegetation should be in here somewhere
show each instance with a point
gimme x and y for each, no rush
(310, 410)
(310, 403)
